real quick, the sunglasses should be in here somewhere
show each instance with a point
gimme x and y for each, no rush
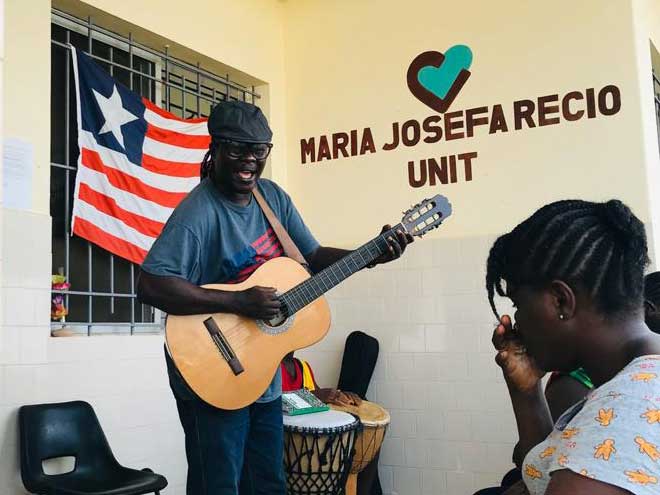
(236, 150)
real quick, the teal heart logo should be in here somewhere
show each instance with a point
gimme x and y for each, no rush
(439, 80)
(436, 78)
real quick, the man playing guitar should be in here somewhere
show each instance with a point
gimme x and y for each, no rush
(218, 234)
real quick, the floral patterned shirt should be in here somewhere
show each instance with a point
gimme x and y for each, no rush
(613, 435)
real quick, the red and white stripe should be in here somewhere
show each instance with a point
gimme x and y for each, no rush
(123, 207)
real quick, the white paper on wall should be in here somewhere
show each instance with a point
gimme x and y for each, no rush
(17, 166)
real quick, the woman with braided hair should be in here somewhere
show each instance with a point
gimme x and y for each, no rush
(574, 270)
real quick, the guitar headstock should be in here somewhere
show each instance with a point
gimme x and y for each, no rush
(427, 215)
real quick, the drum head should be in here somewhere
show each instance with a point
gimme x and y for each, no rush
(370, 413)
(319, 420)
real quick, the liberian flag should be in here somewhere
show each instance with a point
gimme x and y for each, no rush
(136, 163)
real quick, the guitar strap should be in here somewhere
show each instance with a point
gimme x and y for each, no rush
(290, 248)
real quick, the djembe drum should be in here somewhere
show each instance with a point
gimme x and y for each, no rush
(318, 452)
(375, 421)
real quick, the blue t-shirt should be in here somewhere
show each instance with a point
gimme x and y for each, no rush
(211, 240)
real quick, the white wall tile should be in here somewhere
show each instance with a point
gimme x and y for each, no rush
(33, 342)
(412, 339)
(414, 396)
(482, 367)
(423, 309)
(20, 385)
(407, 481)
(451, 367)
(494, 427)
(474, 250)
(497, 460)
(427, 366)
(10, 352)
(456, 308)
(470, 456)
(397, 309)
(26, 238)
(431, 425)
(419, 255)
(442, 455)
(458, 426)
(388, 337)
(403, 424)
(385, 473)
(381, 283)
(495, 397)
(391, 453)
(436, 282)
(415, 454)
(380, 370)
(401, 367)
(442, 396)
(9, 470)
(390, 395)
(434, 482)
(408, 283)
(19, 307)
(460, 483)
(446, 253)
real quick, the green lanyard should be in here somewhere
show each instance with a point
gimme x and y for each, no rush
(581, 376)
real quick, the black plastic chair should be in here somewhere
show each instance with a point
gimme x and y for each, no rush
(49, 431)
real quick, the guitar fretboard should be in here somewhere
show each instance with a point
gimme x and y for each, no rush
(311, 289)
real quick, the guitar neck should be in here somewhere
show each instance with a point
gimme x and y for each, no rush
(314, 287)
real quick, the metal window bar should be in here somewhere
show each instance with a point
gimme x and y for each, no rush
(175, 75)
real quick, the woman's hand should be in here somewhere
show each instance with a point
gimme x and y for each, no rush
(520, 370)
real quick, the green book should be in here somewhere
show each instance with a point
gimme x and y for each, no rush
(301, 402)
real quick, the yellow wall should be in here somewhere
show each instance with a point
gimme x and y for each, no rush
(26, 88)
(346, 69)
(245, 35)
(646, 22)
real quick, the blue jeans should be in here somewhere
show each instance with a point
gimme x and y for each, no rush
(230, 452)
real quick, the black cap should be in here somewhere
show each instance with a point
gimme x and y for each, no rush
(239, 121)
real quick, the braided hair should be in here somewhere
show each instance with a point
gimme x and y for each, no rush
(206, 168)
(600, 247)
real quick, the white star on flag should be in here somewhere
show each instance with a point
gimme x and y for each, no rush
(114, 113)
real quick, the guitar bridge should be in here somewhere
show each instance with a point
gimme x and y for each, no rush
(223, 346)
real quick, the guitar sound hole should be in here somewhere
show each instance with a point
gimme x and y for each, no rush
(277, 321)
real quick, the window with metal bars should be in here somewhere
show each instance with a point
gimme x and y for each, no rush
(101, 297)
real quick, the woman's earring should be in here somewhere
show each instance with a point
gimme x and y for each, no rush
(561, 316)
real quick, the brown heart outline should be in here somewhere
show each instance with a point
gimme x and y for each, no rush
(434, 59)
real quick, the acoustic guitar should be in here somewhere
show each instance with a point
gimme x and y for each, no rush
(229, 360)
